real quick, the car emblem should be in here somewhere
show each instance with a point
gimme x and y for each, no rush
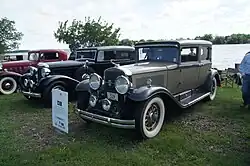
(109, 82)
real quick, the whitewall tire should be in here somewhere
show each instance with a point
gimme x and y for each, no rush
(150, 117)
(213, 90)
(8, 85)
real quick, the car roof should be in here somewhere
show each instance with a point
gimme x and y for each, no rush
(48, 50)
(176, 42)
(108, 48)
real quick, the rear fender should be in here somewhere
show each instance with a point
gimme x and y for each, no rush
(215, 73)
(144, 93)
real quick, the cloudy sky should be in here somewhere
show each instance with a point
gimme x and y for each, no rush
(138, 19)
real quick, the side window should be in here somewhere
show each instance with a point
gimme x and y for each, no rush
(49, 56)
(205, 53)
(189, 54)
(108, 55)
(100, 56)
(124, 55)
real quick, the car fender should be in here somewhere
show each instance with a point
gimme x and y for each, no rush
(143, 93)
(215, 73)
(15, 75)
(53, 78)
(83, 86)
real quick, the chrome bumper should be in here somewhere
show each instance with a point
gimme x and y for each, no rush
(124, 124)
(31, 94)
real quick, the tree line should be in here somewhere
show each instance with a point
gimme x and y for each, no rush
(91, 32)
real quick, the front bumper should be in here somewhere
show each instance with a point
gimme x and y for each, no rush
(31, 94)
(118, 123)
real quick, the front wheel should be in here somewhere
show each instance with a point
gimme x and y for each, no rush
(149, 117)
(8, 85)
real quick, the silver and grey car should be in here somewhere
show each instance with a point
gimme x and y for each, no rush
(166, 75)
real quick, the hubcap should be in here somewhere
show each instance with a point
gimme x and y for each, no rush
(152, 117)
(7, 85)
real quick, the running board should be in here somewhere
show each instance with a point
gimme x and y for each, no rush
(193, 99)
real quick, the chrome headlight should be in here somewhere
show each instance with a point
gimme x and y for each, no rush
(122, 84)
(45, 72)
(92, 101)
(33, 70)
(95, 81)
(1, 66)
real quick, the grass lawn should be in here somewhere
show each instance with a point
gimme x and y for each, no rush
(214, 133)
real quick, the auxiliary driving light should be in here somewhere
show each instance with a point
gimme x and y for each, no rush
(92, 100)
(106, 104)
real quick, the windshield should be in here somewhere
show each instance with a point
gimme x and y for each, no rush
(33, 56)
(89, 54)
(167, 54)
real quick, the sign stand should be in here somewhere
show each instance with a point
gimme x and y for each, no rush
(60, 110)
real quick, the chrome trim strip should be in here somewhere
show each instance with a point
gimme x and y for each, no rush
(36, 95)
(124, 124)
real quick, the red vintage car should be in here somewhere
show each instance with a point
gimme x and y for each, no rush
(10, 72)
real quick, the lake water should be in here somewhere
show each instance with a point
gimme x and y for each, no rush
(225, 56)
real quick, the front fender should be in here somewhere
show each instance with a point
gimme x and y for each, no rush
(144, 93)
(53, 78)
(9, 73)
(83, 86)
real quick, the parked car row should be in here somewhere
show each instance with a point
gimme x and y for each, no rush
(127, 87)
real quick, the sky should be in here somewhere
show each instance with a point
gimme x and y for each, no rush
(138, 19)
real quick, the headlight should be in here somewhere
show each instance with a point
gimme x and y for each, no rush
(1, 66)
(122, 84)
(45, 72)
(92, 101)
(95, 81)
(32, 70)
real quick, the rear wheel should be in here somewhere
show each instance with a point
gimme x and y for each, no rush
(8, 85)
(213, 90)
(150, 117)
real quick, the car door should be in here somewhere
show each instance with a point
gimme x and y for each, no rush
(205, 63)
(189, 68)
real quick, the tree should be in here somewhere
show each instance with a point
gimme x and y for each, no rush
(9, 36)
(89, 33)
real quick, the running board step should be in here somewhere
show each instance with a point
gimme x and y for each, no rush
(193, 99)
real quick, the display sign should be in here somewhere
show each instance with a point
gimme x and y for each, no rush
(60, 110)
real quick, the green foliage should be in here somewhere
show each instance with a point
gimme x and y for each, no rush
(88, 33)
(232, 39)
(9, 36)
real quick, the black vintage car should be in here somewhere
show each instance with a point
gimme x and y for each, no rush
(38, 82)
(166, 75)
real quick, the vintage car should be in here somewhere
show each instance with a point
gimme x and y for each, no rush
(167, 75)
(11, 71)
(39, 82)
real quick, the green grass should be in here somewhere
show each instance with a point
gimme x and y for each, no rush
(214, 133)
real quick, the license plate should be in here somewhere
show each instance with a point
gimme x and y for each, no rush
(112, 96)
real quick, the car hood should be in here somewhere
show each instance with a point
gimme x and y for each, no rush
(16, 63)
(148, 67)
(68, 63)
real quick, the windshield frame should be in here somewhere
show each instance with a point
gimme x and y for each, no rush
(86, 50)
(157, 46)
(36, 52)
